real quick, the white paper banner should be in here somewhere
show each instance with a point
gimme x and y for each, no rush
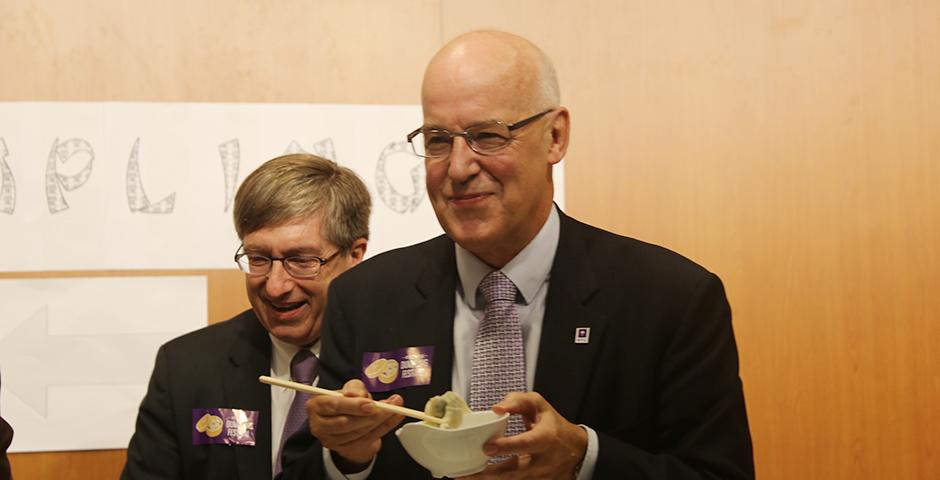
(92, 186)
(76, 354)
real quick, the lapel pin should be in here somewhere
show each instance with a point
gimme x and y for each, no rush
(582, 335)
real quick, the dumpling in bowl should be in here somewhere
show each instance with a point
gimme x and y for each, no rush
(449, 406)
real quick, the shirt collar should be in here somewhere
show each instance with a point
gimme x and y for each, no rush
(528, 270)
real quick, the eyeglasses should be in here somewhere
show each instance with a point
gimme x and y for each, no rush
(485, 139)
(297, 266)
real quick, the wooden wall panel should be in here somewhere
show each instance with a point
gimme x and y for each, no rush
(791, 147)
(356, 51)
(97, 464)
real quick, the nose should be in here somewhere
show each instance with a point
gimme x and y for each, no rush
(278, 282)
(463, 162)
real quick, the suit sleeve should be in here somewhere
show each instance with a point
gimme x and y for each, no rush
(153, 452)
(6, 437)
(702, 423)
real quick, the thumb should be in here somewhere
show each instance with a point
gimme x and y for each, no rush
(525, 404)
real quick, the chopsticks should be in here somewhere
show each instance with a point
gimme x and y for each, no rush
(408, 412)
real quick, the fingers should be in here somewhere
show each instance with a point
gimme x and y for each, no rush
(527, 404)
(351, 425)
(393, 420)
(530, 442)
(375, 424)
(364, 431)
(355, 388)
(391, 423)
(394, 400)
(551, 447)
(356, 401)
(341, 417)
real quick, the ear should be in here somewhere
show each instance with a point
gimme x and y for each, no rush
(358, 251)
(561, 127)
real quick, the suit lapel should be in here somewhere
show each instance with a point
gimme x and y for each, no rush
(249, 357)
(427, 319)
(434, 312)
(564, 367)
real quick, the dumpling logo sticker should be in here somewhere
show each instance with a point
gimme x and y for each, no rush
(403, 367)
(225, 426)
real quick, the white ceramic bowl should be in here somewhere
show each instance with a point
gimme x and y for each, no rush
(452, 452)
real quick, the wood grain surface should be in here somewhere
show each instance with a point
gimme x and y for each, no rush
(793, 148)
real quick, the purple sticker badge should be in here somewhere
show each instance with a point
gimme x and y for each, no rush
(227, 426)
(404, 367)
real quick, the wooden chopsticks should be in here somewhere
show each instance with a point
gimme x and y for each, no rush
(408, 412)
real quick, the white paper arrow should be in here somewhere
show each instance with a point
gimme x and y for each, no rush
(86, 360)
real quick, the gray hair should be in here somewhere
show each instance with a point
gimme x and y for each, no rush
(297, 186)
(549, 94)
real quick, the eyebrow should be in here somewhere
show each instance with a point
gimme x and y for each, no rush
(475, 124)
(291, 252)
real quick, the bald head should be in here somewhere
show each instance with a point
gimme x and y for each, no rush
(492, 203)
(497, 62)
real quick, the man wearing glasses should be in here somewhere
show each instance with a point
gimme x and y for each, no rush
(616, 357)
(302, 220)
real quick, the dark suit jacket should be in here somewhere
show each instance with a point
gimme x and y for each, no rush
(217, 366)
(6, 438)
(658, 381)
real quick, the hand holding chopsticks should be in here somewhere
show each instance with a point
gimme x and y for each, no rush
(408, 412)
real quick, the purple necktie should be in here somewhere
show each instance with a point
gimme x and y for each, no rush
(303, 369)
(498, 355)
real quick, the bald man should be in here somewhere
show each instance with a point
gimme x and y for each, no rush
(627, 364)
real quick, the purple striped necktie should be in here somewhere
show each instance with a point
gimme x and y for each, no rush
(498, 353)
(303, 369)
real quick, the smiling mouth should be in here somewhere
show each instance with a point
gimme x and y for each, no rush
(468, 197)
(286, 307)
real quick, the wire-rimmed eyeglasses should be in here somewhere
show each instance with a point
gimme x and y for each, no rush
(485, 138)
(297, 266)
